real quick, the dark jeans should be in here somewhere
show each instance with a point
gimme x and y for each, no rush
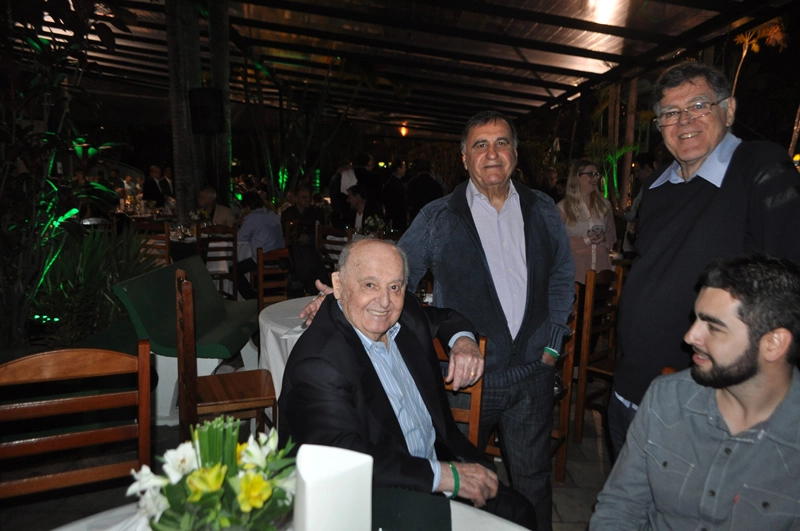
(520, 404)
(619, 420)
(248, 265)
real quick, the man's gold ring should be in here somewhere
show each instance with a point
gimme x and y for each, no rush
(472, 374)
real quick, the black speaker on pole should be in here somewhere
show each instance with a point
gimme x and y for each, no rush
(206, 110)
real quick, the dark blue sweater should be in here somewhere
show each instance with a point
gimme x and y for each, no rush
(681, 229)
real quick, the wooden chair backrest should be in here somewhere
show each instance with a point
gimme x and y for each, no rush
(187, 354)
(272, 276)
(330, 242)
(564, 367)
(82, 375)
(218, 247)
(155, 240)
(472, 415)
(243, 394)
(598, 346)
(599, 318)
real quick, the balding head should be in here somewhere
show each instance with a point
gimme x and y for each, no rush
(370, 285)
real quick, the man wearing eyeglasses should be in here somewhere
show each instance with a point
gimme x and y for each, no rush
(720, 197)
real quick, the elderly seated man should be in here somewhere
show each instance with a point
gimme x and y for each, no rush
(217, 214)
(365, 377)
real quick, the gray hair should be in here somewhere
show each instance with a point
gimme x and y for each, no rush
(483, 118)
(344, 256)
(209, 191)
(686, 71)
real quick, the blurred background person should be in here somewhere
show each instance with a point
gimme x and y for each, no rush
(643, 166)
(361, 208)
(422, 188)
(589, 219)
(218, 214)
(261, 227)
(394, 197)
(341, 181)
(151, 190)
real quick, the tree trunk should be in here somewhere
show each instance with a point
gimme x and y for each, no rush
(795, 132)
(738, 69)
(184, 73)
(613, 141)
(219, 44)
(630, 134)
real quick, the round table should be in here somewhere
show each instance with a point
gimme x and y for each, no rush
(280, 327)
(128, 518)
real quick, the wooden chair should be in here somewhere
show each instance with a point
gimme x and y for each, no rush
(272, 277)
(218, 247)
(598, 344)
(330, 242)
(470, 416)
(565, 366)
(243, 394)
(155, 240)
(72, 417)
(560, 433)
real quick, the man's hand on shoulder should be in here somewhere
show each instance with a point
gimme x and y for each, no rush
(466, 363)
(312, 307)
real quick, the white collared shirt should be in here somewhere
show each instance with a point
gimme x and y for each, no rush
(502, 236)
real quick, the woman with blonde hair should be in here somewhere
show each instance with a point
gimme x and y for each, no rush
(589, 220)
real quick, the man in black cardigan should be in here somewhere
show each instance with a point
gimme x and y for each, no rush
(365, 377)
(721, 197)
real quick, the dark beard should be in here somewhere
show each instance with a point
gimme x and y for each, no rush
(719, 377)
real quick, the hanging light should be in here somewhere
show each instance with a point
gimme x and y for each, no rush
(403, 130)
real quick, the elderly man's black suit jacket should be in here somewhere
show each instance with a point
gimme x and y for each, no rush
(332, 395)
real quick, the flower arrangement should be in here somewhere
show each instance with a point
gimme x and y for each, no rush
(215, 483)
(198, 215)
(373, 224)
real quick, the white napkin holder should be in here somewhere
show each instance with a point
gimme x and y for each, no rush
(334, 490)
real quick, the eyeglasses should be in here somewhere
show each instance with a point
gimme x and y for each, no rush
(590, 173)
(694, 111)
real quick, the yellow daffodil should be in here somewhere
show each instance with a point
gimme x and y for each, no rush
(255, 490)
(240, 449)
(205, 480)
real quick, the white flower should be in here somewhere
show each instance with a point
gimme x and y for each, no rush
(179, 462)
(256, 454)
(145, 480)
(272, 442)
(288, 485)
(153, 504)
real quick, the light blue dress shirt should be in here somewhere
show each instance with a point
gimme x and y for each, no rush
(713, 168)
(410, 410)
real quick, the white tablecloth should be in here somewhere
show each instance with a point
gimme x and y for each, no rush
(280, 327)
(127, 518)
